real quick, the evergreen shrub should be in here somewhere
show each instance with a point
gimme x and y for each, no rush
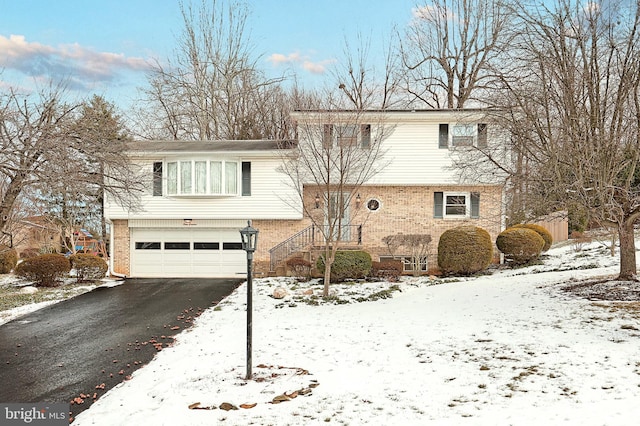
(520, 245)
(45, 270)
(464, 250)
(88, 267)
(8, 259)
(542, 231)
(348, 264)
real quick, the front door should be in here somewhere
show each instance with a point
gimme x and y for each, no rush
(338, 213)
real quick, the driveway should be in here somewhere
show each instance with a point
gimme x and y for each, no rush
(82, 347)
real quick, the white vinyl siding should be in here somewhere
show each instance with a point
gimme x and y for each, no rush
(271, 197)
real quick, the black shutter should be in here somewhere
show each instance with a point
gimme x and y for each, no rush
(443, 142)
(246, 178)
(365, 135)
(157, 179)
(482, 135)
(327, 136)
(438, 201)
(475, 205)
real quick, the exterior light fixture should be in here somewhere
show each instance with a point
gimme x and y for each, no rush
(358, 201)
(317, 200)
(249, 237)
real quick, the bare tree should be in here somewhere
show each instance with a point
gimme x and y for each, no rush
(362, 83)
(338, 152)
(571, 102)
(418, 245)
(49, 151)
(212, 88)
(449, 49)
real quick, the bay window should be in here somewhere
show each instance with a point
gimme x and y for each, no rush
(198, 177)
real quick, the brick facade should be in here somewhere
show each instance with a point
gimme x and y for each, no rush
(121, 246)
(402, 209)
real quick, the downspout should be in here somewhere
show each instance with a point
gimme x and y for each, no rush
(111, 271)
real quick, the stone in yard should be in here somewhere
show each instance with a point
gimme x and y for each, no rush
(279, 293)
(28, 290)
(308, 292)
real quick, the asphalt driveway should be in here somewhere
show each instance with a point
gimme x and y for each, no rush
(80, 348)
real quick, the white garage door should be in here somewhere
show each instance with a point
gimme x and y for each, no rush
(158, 252)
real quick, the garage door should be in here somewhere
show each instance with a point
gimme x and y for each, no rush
(158, 252)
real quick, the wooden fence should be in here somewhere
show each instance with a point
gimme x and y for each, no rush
(557, 224)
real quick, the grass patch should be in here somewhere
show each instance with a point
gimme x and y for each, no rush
(11, 297)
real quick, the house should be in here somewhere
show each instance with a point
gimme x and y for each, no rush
(200, 194)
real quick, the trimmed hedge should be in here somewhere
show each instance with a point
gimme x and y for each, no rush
(520, 245)
(464, 250)
(541, 230)
(388, 270)
(8, 259)
(88, 267)
(352, 264)
(45, 270)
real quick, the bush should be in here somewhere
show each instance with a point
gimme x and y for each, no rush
(45, 270)
(388, 270)
(464, 250)
(300, 267)
(347, 264)
(30, 252)
(520, 245)
(541, 230)
(8, 259)
(88, 267)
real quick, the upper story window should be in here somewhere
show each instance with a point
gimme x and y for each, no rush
(456, 205)
(346, 135)
(456, 135)
(201, 177)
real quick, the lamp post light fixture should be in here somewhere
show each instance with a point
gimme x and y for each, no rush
(249, 237)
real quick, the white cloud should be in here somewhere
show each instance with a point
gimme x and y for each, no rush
(82, 66)
(297, 60)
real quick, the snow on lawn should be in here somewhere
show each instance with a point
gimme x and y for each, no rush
(501, 349)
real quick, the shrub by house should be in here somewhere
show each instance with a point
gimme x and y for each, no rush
(464, 250)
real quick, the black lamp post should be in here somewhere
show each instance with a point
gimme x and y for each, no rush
(249, 242)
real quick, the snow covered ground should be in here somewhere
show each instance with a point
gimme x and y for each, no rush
(509, 348)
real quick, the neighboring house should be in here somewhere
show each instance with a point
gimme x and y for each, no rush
(37, 233)
(200, 194)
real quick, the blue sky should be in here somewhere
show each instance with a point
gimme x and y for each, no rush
(104, 47)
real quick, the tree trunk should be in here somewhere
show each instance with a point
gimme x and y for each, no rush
(329, 256)
(627, 251)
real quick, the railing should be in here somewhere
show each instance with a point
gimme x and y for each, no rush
(307, 238)
(292, 244)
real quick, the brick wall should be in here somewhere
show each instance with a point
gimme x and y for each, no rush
(407, 210)
(121, 246)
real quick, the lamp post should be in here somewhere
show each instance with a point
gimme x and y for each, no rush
(249, 237)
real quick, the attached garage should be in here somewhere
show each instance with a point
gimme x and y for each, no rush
(187, 252)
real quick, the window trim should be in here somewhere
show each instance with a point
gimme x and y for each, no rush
(333, 135)
(467, 209)
(407, 263)
(447, 135)
(175, 175)
(472, 205)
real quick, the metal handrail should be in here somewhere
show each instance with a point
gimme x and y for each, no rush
(300, 241)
